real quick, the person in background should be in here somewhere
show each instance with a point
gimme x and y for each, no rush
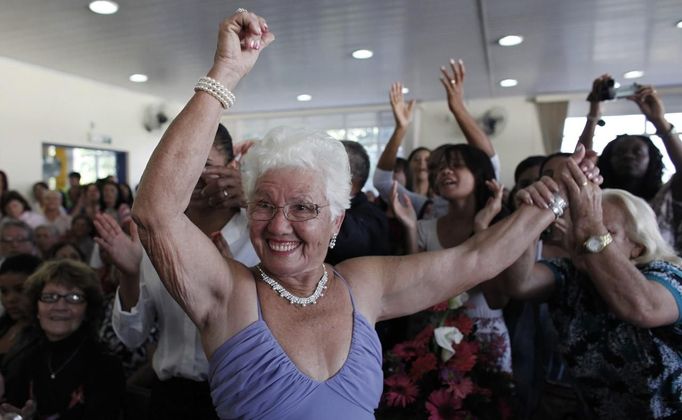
(81, 234)
(66, 250)
(15, 207)
(112, 202)
(4, 183)
(89, 202)
(17, 333)
(68, 374)
(38, 189)
(45, 238)
(16, 237)
(54, 213)
(364, 231)
(73, 193)
(179, 360)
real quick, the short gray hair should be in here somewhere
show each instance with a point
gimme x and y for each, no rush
(285, 147)
(641, 227)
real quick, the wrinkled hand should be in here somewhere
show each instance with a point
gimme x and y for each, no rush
(650, 104)
(453, 82)
(598, 86)
(125, 251)
(401, 112)
(585, 202)
(220, 243)
(223, 187)
(241, 38)
(492, 206)
(402, 208)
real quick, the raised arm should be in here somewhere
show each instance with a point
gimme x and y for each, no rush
(192, 269)
(594, 115)
(453, 82)
(628, 293)
(402, 112)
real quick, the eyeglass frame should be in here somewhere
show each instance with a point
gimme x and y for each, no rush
(65, 296)
(6, 240)
(284, 209)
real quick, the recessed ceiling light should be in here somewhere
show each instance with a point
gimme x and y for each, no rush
(405, 91)
(679, 24)
(138, 78)
(510, 40)
(362, 54)
(304, 98)
(509, 82)
(103, 7)
(634, 74)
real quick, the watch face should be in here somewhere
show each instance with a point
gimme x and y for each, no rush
(593, 245)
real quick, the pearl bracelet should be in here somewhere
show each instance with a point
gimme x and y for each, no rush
(217, 90)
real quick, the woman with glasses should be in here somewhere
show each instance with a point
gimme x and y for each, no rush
(68, 375)
(292, 337)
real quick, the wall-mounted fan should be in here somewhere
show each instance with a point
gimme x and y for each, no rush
(492, 121)
(154, 117)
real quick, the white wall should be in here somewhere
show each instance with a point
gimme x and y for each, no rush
(519, 138)
(39, 105)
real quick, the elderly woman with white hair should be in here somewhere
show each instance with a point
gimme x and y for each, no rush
(293, 338)
(616, 302)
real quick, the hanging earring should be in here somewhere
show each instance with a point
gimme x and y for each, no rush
(332, 242)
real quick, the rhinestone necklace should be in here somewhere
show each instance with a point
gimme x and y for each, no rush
(53, 373)
(295, 300)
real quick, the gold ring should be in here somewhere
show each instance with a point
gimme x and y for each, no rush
(452, 81)
(241, 10)
(584, 184)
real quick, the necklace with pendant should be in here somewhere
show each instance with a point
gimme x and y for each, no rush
(295, 300)
(53, 373)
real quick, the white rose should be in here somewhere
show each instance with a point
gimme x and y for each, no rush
(458, 301)
(445, 338)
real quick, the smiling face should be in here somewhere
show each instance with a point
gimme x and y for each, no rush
(289, 248)
(60, 319)
(419, 164)
(12, 297)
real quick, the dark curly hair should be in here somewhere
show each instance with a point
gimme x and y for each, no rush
(652, 179)
(475, 160)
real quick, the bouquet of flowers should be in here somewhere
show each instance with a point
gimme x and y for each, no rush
(445, 372)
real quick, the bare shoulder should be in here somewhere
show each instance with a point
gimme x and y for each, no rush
(365, 276)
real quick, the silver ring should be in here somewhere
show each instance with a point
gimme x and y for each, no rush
(241, 10)
(452, 81)
(226, 194)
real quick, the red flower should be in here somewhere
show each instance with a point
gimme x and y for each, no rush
(464, 324)
(407, 350)
(441, 307)
(422, 365)
(442, 405)
(425, 336)
(401, 390)
(465, 357)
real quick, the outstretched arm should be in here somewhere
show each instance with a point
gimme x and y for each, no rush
(192, 269)
(453, 82)
(402, 112)
(594, 114)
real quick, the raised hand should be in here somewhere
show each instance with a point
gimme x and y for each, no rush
(650, 104)
(241, 38)
(492, 206)
(401, 112)
(402, 208)
(125, 251)
(26, 412)
(223, 186)
(598, 86)
(453, 82)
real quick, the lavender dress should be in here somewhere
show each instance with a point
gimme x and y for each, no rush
(252, 378)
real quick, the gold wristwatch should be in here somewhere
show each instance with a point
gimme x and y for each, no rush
(596, 243)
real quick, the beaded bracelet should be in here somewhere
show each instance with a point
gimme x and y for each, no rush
(217, 90)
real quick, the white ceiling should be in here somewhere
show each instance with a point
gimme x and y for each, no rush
(567, 44)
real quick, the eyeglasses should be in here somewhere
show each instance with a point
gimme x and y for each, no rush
(295, 212)
(72, 298)
(9, 240)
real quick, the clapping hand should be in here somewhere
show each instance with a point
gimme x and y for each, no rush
(401, 112)
(125, 251)
(492, 206)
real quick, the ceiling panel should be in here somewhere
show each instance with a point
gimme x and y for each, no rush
(566, 45)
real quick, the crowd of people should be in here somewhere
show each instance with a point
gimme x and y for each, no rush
(264, 283)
